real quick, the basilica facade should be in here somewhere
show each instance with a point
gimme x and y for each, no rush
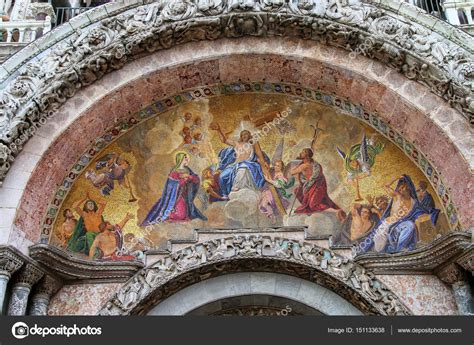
(265, 157)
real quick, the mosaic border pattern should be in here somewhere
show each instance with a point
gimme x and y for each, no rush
(208, 91)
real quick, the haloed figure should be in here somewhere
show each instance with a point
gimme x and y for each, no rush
(312, 192)
(177, 200)
(396, 230)
(240, 163)
(88, 225)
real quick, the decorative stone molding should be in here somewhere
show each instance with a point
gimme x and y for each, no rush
(48, 286)
(36, 8)
(156, 282)
(451, 274)
(32, 93)
(71, 268)
(10, 261)
(28, 275)
(466, 260)
(425, 260)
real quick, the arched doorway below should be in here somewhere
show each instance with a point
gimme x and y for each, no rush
(265, 289)
(254, 305)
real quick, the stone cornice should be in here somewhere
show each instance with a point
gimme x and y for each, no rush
(466, 260)
(10, 260)
(28, 275)
(254, 253)
(72, 269)
(106, 38)
(425, 260)
(48, 286)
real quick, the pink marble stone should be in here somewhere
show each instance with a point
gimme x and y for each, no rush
(373, 94)
(358, 90)
(330, 77)
(392, 78)
(422, 294)
(232, 69)
(278, 68)
(86, 299)
(311, 73)
(388, 103)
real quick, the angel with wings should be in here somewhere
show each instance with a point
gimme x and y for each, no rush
(359, 161)
(108, 169)
(278, 179)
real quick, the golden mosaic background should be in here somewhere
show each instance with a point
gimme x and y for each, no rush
(150, 149)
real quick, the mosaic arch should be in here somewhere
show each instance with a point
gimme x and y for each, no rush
(45, 74)
(154, 178)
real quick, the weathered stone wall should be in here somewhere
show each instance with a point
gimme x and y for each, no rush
(83, 299)
(423, 294)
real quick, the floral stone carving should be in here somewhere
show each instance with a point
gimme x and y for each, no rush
(254, 253)
(41, 86)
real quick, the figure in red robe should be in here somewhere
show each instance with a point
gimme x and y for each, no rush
(176, 203)
(312, 192)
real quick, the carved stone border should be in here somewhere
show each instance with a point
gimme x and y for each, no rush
(10, 261)
(426, 260)
(190, 265)
(159, 107)
(72, 269)
(104, 39)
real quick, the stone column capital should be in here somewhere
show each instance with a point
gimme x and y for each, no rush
(451, 274)
(42, 293)
(47, 286)
(28, 275)
(10, 262)
(466, 259)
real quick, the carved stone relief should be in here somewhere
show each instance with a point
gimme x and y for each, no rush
(41, 86)
(254, 253)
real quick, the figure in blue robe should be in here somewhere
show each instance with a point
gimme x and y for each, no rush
(177, 200)
(426, 200)
(401, 233)
(239, 164)
(229, 169)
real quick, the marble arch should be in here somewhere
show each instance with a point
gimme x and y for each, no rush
(116, 59)
(362, 81)
(238, 285)
(170, 274)
(416, 54)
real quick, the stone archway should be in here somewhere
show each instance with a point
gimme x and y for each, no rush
(431, 54)
(36, 87)
(54, 72)
(76, 130)
(321, 267)
(250, 305)
(211, 296)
